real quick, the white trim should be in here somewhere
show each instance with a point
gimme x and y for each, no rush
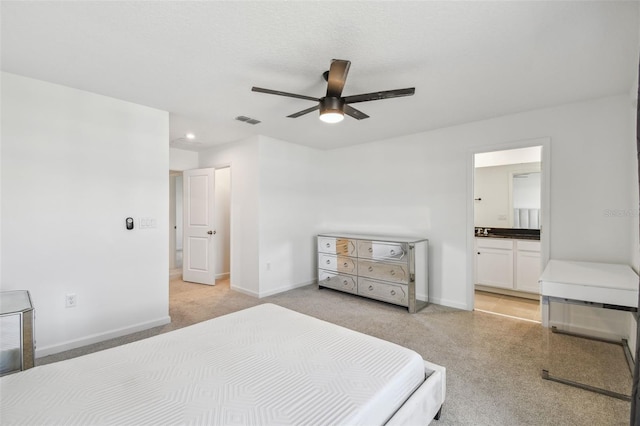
(545, 198)
(244, 291)
(449, 303)
(223, 275)
(100, 337)
(286, 288)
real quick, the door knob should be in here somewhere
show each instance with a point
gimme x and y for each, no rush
(211, 232)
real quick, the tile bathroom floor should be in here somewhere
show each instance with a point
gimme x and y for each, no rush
(510, 306)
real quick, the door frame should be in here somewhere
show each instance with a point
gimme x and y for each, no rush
(545, 206)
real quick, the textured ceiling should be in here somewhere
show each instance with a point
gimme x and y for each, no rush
(198, 60)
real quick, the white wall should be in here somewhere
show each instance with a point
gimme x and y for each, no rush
(274, 214)
(289, 214)
(180, 159)
(222, 206)
(243, 158)
(74, 166)
(417, 184)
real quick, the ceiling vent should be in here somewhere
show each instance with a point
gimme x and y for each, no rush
(247, 120)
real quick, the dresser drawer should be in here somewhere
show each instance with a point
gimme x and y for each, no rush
(337, 263)
(396, 272)
(383, 250)
(343, 246)
(387, 292)
(339, 282)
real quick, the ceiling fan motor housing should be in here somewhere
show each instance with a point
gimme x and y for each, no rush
(331, 105)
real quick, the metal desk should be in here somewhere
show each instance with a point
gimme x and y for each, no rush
(599, 285)
(17, 348)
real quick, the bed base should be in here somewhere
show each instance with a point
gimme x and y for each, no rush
(426, 402)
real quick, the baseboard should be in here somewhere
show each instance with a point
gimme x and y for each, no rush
(100, 337)
(286, 288)
(222, 276)
(449, 303)
(244, 291)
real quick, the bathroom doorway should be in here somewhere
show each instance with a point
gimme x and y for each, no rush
(510, 220)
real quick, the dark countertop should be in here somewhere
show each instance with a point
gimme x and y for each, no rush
(516, 234)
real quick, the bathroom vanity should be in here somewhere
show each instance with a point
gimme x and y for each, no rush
(508, 260)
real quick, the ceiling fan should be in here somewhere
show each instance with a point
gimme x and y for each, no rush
(333, 106)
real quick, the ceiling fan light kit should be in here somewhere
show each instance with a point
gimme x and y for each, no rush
(334, 106)
(331, 110)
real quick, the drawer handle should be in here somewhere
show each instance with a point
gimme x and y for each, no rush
(392, 252)
(392, 272)
(370, 250)
(370, 268)
(345, 282)
(328, 245)
(328, 279)
(370, 288)
(346, 264)
(328, 261)
(393, 292)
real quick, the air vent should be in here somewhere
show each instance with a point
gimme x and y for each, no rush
(248, 120)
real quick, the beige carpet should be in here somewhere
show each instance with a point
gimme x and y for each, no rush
(493, 363)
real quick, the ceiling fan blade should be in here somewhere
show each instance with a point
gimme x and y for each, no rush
(304, 111)
(279, 93)
(337, 77)
(355, 113)
(374, 96)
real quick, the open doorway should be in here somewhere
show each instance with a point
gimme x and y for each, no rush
(510, 211)
(222, 215)
(175, 223)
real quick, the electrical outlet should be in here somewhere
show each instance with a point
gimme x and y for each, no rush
(71, 300)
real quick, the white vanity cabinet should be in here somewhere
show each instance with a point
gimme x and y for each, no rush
(390, 269)
(509, 264)
(494, 262)
(528, 266)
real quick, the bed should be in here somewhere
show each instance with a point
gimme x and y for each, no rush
(265, 365)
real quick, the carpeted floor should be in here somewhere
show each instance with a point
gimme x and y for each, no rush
(493, 363)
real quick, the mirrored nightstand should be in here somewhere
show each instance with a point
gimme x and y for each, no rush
(17, 348)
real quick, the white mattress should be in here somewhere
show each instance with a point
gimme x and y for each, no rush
(263, 365)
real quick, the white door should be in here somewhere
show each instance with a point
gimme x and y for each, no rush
(198, 264)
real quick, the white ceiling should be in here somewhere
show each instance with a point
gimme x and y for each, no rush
(198, 60)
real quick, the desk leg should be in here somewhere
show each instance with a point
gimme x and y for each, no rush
(625, 347)
(546, 311)
(547, 376)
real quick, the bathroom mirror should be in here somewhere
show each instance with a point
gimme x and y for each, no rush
(525, 200)
(507, 189)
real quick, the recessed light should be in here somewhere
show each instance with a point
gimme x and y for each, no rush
(190, 136)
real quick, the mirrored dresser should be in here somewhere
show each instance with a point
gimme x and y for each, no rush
(385, 268)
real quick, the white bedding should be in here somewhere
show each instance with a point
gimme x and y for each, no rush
(264, 365)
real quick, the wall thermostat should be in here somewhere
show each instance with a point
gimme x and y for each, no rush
(129, 223)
